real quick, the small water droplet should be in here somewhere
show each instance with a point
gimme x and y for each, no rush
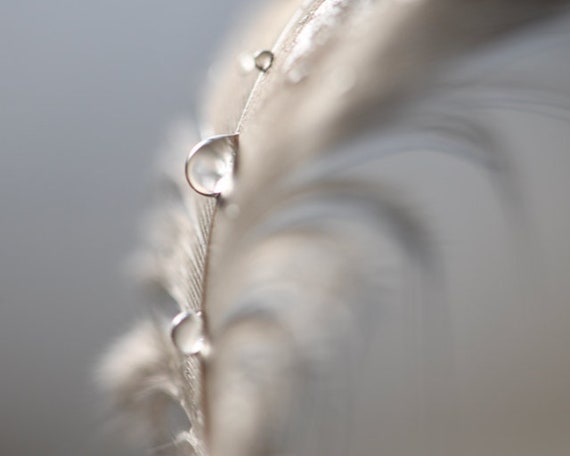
(187, 332)
(263, 60)
(210, 165)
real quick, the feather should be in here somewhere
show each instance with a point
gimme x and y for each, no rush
(328, 274)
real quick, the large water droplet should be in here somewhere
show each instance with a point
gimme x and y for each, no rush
(263, 60)
(187, 333)
(210, 165)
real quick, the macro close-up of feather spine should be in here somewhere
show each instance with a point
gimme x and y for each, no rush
(345, 266)
(361, 246)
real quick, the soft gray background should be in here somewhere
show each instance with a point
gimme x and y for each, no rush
(87, 92)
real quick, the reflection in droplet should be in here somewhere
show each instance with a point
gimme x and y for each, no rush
(263, 60)
(187, 332)
(210, 165)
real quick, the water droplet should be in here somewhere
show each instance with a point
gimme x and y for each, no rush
(210, 165)
(263, 60)
(187, 332)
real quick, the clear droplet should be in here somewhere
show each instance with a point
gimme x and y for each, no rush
(210, 165)
(187, 332)
(263, 60)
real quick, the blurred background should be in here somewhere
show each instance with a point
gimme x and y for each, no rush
(88, 91)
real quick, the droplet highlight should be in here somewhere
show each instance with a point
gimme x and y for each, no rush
(263, 60)
(187, 333)
(211, 164)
